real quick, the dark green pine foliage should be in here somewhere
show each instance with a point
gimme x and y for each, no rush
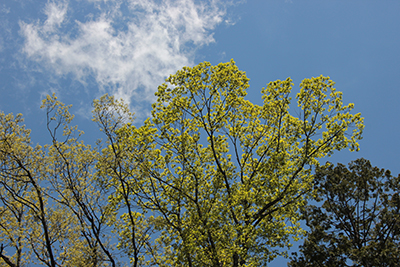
(358, 223)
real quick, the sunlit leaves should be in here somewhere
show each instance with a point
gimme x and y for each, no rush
(210, 179)
(226, 176)
(52, 210)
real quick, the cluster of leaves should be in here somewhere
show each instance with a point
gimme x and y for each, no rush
(358, 223)
(210, 180)
(51, 211)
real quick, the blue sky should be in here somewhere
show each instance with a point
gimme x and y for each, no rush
(81, 49)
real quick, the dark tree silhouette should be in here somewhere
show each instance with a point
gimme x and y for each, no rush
(358, 223)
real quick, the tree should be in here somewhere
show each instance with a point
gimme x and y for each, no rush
(209, 180)
(52, 211)
(25, 219)
(118, 175)
(71, 173)
(223, 177)
(358, 223)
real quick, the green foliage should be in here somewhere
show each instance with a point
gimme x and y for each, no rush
(51, 210)
(358, 223)
(118, 175)
(210, 179)
(226, 177)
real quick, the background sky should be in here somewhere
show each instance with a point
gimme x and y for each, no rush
(81, 49)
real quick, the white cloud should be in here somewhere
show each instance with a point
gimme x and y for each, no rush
(55, 13)
(129, 60)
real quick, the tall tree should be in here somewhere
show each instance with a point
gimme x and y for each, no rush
(127, 217)
(71, 173)
(223, 177)
(358, 223)
(25, 220)
(210, 179)
(52, 209)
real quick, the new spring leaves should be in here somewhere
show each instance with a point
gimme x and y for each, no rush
(210, 180)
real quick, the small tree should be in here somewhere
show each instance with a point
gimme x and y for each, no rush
(358, 223)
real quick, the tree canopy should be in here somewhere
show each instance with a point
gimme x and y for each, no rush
(358, 223)
(210, 179)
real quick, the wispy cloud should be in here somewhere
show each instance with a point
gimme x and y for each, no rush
(4, 29)
(128, 47)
